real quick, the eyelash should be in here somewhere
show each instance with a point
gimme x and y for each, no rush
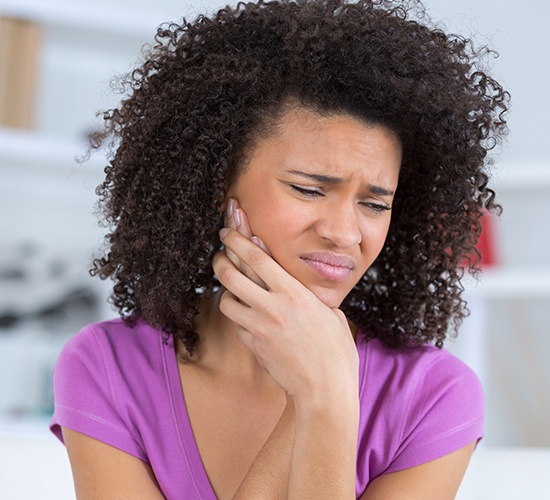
(313, 193)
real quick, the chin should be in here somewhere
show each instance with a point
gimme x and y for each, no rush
(328, 297)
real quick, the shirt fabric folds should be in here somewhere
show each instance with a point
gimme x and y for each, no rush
(121, 385)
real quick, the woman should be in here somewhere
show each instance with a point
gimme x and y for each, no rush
(289, 354)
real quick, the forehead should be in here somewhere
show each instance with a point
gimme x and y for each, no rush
(334, 144)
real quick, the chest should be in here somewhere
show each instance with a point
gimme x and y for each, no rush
(230, 424)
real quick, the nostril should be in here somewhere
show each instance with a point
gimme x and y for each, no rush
(341, 232)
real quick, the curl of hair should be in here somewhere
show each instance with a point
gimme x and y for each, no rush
(209, 88)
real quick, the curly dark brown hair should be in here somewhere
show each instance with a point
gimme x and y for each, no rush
(209, 88)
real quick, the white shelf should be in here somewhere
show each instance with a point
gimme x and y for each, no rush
(499, 283)
(38, 148)
(510, 177)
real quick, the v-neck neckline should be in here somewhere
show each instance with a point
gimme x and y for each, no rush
(182, 422)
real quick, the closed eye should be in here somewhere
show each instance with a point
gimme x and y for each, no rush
(376, 207)
(310, 193)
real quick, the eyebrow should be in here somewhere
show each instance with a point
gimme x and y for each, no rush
(329, 179)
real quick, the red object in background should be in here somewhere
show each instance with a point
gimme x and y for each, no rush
(486, 242)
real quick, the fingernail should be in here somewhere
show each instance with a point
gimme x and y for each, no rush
(223, 232)
(231, 206)
(238, 218)
(258, 242)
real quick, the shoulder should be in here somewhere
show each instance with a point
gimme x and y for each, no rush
(103, 377)
(110, 354)
(109, 343)
(417, 405)
(116, 334)
(105, 354)
(415, 369)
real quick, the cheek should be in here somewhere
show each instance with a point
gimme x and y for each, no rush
(276, 223)
(274, 227)
(373, 241)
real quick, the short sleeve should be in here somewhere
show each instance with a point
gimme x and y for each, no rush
(445, 412)
(85, 398)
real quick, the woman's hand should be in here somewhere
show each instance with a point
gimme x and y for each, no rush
(235, 218)
(306, 346)
(310, 352)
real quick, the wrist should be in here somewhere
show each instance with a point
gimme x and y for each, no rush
(340, 403)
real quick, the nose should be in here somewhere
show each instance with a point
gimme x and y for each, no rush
(339, 225)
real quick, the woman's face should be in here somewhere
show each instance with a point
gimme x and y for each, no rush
(319, 193)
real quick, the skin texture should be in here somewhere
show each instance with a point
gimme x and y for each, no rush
(269, 421)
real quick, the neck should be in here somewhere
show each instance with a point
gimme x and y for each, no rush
(220, 351)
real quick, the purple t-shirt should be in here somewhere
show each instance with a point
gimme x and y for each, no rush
(121, 386)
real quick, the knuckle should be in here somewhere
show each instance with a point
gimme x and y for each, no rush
(340, 314)
(225, 303)
(224, 300)
(256, 256)
(297, 298)
(225, 275)
(216, 259)
(276, 319)
(251, 275)
(231, 238)
(219, 262)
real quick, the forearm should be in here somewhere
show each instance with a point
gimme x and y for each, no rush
(267, 478)
(324, 450)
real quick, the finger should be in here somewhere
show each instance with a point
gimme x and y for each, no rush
(268, 270)
(232, 222)
(236, 219)
(250, 274)
(257, 241)
(235, 281)
(247, 339)
(245, 229)
(242, 225)
(238, 312)
(231, 306)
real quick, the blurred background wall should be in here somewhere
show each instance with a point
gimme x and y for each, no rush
(57, 58)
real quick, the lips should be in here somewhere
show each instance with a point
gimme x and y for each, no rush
(330, 266)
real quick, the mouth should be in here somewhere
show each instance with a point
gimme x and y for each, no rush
(330, 266)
